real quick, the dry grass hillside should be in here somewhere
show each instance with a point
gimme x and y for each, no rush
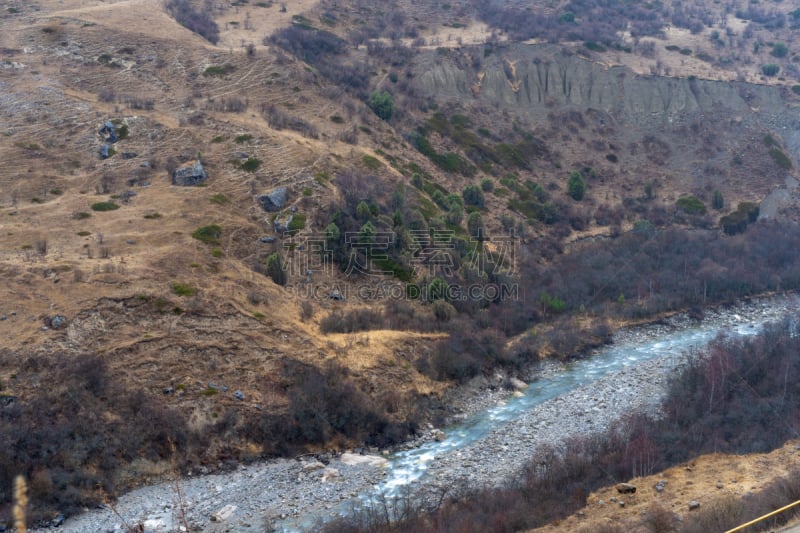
(104, 259)
(718, 482)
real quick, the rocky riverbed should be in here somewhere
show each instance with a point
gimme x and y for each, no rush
(283, 493)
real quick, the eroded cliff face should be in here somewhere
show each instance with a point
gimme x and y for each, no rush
(532, 79)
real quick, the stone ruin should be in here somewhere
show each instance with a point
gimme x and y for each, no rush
(189, 175)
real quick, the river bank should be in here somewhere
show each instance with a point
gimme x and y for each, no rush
(563, 400)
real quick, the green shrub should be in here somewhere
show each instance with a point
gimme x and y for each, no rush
(576, 186)
(84, 233)
(336, 119)
(475, 226)
(780, 158)
(691, 205)
(298, 223)
(251, 164)
(219, 199)
(717, 201)
(487, 184)
(551, 304)
(182, 289)
(366, 235)
(218, 139)
(770, 69)
(736, 222)
(274, 269)
(382, 104)
(216, 252)
(218, 70)
(363, 211)
(208, 234)
(473, 195)
(567, 17)
(82, 215)
(243, 138)
(438, 289)
(403, 273)
(308, 191)
(372, 163)
(104, 206)
(332, 232)
(595, 47)
(769, 140)
(779, 50)
(152, 216)
(796, 89)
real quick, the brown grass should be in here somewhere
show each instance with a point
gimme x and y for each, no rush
(697, 480)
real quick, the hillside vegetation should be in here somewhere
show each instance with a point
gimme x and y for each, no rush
(727, 400)
(237, 231)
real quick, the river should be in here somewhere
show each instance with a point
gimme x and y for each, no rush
(487, 447)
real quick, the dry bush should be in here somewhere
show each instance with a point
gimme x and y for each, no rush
(279, 120)
(306, 311)
(659, 520)
(722, 515)
(230, 104)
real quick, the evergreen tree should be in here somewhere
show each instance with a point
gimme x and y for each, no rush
(576, 187)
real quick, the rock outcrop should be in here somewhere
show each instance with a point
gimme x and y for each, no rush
(189, 175)
(275, 200)
(283, 223)
(546, 78)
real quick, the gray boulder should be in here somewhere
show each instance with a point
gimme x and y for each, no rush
(336, 294)
(104, 151)
(58, 322)
(109, 131)
(190, 175)
(275, 200)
